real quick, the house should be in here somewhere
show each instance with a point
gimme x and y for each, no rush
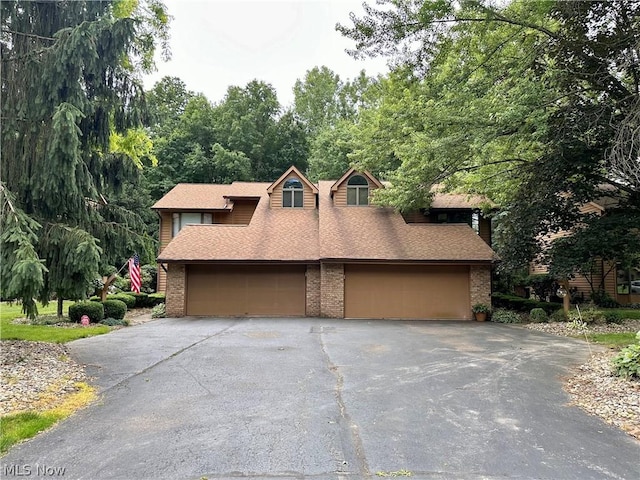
(621, 284)
(295, 248)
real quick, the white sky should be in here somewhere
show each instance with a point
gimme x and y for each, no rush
(219, 43)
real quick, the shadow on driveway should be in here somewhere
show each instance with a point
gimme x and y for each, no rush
(328, 399)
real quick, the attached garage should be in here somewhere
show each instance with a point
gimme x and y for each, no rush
(407, 291)
(245, 290)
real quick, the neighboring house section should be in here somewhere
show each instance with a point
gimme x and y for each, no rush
(316, 250)
(617, 282)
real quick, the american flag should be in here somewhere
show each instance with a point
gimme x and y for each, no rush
(134, 273)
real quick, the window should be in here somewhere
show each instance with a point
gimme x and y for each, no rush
(292, 193)
(186, 218)
(357, 191)
(628, 281)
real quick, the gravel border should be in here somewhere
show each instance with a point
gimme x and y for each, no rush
(593, 386)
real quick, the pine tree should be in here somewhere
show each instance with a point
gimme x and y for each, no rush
(71, 96)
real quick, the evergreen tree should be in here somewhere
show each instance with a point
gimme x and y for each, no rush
(72, 101)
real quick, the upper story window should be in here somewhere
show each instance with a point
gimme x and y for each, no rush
(186, 218)
(292, 193)
(357, 191)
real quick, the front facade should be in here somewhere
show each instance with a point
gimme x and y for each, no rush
(295, 248)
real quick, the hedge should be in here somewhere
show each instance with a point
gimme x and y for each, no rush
(129, 300)
(519, 304)
(156, 299)
(114, 309)
(93, 310)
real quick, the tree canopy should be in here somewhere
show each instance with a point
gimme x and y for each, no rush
(534, 103)
(72, 107)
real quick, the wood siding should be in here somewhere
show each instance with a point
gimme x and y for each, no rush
(340, 195)
(240, 215)
(309, 198)
(484, 228)
(164, 239)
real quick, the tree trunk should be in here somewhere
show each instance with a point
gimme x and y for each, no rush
(60, 302)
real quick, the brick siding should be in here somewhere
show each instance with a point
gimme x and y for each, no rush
(480, 284)
(332, 290)
(176, 283)
(313, 291)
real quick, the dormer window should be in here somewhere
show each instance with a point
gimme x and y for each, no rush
(292, 193)
(357, 191)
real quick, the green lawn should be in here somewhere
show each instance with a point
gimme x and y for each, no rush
(627, 313)
(617, 340)
(42, 333)
(21, 426)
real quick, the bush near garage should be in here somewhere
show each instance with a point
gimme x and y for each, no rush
(156, 299)
(93, 310)
(114, 309)
(538, 315)
(627, 362)
(129, 300)
(519, 304)
(501, 315)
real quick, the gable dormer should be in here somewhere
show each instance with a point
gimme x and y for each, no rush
(354, 188)
(292, 190)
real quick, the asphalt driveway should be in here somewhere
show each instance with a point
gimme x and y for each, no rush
(328, 399)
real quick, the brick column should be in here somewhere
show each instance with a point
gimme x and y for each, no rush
(313, 291)
(332, 290)
(480, 284)
(176, 286)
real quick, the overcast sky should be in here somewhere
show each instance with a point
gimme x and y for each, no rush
(218, 43)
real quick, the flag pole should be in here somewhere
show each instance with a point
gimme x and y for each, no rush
(107, 281)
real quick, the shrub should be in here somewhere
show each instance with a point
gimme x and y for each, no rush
(502, 315)
(114, 309)
(113, 322)
(627, 362)
(558, 316)
(611, 316)
(604, 300)
(589, 316)
(538, 315)
(158, 311)
(142, 299)
(480, 308)
(156, 299)
(519, 304)
(129, 300)
(93, 310)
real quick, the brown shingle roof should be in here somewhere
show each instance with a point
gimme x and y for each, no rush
(333, 233)
(376, 233)
(459, 200)
(204, 196)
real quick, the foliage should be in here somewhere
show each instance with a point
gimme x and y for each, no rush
(627, 362)
(114, 309)
(480, 308)
(612, 316)
(532, 102)
(142, 299)
(612, 339)
(501, 315)
(538, 315)
(588, 316)
(594, 247)
(149, 278)
(558, 316)
(129, 300)
(114, 322)
(603, 299)
(543, 285)
(71, 115)
(94, 310)
(520, 304)
(49, 320)
(156, 299)
(159, 311)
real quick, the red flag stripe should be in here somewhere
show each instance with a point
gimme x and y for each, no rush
(134, 274)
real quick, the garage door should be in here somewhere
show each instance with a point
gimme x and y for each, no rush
(243, 290)
(407, 291)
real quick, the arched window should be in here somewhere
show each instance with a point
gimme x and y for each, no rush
(292, 193)
(357, 191)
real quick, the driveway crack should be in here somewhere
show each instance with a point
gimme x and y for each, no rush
(352, 447)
